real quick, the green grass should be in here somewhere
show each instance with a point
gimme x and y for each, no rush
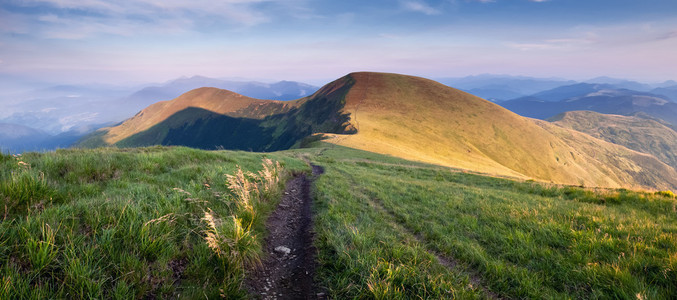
(132, 223)
(121, 223)
(519, 239)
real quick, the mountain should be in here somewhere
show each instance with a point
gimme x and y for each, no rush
(593, 98)
(419, 119)
(621, 83)
(15, 132)
(61, 108)
(570, 91)
(399, 115)
(69, 110)
(282, 90)
(668, 91)
(214, 118)
(16, 138)
(503, 87)
(639, 133)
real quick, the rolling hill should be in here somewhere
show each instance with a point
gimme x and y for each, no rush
(640, 133)
(403, 116)
(212, 118)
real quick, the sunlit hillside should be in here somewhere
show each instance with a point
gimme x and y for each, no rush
(423, 120)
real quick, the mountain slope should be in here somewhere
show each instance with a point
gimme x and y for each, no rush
(423, 120)
(641, 134)
(400, 115)
(211, 118)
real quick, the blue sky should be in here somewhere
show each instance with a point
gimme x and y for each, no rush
(156, 40)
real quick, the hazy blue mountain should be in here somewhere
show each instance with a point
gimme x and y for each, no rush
(621, 83)
(607, 101)
(667, 83)
(570, 91)
(16, 138)
(62, 108)
(668, 91)
(503, 87)
(282, 90)
(495, 94)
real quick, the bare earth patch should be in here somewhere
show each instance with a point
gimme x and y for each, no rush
(288, 268)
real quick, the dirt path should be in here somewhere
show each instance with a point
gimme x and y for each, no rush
(449, 262)
(289, 265)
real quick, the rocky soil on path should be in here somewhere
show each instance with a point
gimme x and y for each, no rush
(288, 267)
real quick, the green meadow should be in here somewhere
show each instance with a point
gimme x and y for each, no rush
(124, 223)
(167, 222)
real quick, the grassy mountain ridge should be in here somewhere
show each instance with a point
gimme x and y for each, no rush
(399, 115)
(419, 119)
(210, 118)
(640, 134)
(212, 99)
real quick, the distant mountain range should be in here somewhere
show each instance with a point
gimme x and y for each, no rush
(281, 90)
(18, 138)
(668, 91)
(503, 87)
(602, 98)
(499, 88)
(400, 115)
(68, 110)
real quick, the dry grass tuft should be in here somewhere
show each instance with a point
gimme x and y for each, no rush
(235, 243)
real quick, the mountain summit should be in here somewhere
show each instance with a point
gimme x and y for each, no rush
(399, 115)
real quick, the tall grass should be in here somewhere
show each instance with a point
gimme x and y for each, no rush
(41, 251)
(234, 240)
(127, 223)
(22, 188)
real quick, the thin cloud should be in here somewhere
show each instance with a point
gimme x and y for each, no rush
(668, 36)
(63, 17)
(555, 44)
(421, 7)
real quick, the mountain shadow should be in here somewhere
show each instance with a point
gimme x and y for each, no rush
(201, 128)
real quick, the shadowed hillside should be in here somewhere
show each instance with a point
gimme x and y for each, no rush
(404, 116)
(211, 118)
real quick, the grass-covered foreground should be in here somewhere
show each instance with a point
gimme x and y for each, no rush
(130, 223)
(383, 223)
(177, 223)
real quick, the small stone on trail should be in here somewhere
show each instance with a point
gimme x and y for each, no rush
(282, 249)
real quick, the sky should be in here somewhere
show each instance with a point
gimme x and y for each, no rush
(119, 41)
